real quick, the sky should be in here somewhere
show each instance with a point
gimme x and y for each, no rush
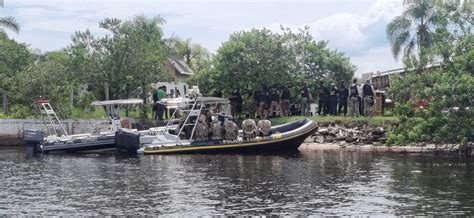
(355, 27)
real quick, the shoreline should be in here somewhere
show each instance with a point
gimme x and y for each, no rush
(314, 146)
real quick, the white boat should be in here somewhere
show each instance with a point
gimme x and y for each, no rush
(57, 139)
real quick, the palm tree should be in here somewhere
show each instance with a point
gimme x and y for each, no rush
(414, 28)
(8, 22)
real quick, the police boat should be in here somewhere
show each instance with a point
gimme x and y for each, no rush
(55, 137)
(204, 127)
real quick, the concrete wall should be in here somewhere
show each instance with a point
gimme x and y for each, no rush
(11, 130)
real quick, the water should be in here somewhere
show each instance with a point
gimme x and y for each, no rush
(321, 182)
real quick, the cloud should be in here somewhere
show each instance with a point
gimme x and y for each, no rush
(360, 35)
(349, 31)
(375, 59)
(355, 27)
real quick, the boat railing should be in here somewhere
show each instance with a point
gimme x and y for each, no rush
(50, 118)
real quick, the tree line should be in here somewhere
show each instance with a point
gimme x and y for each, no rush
(124, 63)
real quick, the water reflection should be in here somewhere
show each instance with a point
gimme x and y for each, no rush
(329, 182)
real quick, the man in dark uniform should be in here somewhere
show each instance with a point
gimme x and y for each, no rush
(343, 94)
(323, 99)
(275, 101)
(368, 99)
(333, 100)
(355, 99)
(256, 102)
(262, 98)
(285, 101)
(306, 99)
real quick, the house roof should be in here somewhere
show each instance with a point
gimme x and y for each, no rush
(180, 66)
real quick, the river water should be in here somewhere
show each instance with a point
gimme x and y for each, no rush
(321, 182)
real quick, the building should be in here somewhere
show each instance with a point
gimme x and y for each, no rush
(180, 71)
(383, 80)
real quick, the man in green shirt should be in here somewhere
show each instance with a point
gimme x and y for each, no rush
(158, 107)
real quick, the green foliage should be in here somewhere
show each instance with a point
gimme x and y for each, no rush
(19, 111)
(14, 58)
(449, 116)
(447, 85)
(252, 59)
(125, 62)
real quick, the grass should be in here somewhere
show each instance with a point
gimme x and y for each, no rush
(376, 120)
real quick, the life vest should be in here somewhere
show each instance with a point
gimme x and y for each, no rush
(354, 90)
(274, 95)
(201, 128)
(285, 94)
(343, 93)
(367, 90)
(216, 130)
(249, 128)
(264, 127)
(231, 130)
(305, 92)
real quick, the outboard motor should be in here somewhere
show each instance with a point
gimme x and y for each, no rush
(33, 140)
(127, 142)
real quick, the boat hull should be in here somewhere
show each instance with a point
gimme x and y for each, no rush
(98, 143)
(37, 144)
(291, 139)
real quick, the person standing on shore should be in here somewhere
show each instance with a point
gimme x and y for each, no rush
(343, 93)
(333, 100)
(160, 108)
(368, 94)
(235, 103)
(285, 101)
(306, 99)
(274, 104)
(354, 99)
(323, 99)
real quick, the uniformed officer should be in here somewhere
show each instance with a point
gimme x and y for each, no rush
(306, 99)
(333, 100)
(323, 99)
(249, 128)
(275, 101)
(368, 94)
(343, 93)
(202, 129)
(231, 130)
(216, 130)
(264, 127)
(354, 97)
(285, 101)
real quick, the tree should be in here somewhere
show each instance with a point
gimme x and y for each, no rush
(252, 59)
(316, 62)
(8, 22)
(128, 60)
(414, 29)
(48, 77)
(447, 87)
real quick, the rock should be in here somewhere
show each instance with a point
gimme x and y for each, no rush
(319, 139)
(323, 131)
